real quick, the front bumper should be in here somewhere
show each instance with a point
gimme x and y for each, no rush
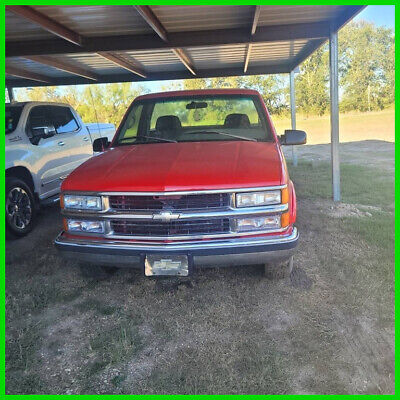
(224, 252)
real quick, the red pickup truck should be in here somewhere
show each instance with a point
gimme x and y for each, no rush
(191, 178)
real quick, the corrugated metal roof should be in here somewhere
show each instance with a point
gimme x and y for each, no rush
(283, 15)
(262, 53)
(98, 20)
(163, 42)
(194, 18)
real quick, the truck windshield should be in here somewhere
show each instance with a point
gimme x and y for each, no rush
(12, 115)
(195, 119)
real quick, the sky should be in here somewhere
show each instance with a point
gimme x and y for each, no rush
(380, 15)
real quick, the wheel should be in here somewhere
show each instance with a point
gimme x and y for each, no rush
(279, 270)
(96, 271)
(20, 208)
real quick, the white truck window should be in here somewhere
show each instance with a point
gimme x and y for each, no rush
(62, 119)
(38, 117)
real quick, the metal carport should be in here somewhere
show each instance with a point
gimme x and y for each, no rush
(70, 45)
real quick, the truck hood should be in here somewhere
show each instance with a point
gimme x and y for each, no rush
(180, 166)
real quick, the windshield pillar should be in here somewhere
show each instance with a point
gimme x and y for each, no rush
(10, 91)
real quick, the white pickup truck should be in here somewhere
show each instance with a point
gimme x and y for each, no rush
(44, 142)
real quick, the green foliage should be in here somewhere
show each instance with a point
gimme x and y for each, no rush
(312, 95)
(102, 103)
(273, 88)
(367, 66)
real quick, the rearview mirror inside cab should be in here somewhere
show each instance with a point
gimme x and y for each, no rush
(100, 144)
(292, 137)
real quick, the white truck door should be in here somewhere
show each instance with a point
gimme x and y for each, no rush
(61, 153)
(73, 137)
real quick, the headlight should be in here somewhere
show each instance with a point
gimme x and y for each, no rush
(254, 199)
(77, 202)
(85, 226)
(258, 223)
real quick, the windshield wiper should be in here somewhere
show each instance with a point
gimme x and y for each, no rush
(226, 134)
(150, 137)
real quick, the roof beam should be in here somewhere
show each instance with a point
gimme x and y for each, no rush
(166, 75)
(22, 73)
(256, 16)
(46, 23)
(122, 63)
(217, 37)
(247, 58)
(148, 15)
(185, 60)
(63, 66)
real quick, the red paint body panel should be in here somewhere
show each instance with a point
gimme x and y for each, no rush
(180, 166)
(184, 166)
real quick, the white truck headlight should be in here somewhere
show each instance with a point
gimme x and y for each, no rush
(85, 226)
(77, 202)
(254, 199)
(258, 223)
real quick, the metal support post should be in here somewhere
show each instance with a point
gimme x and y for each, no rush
(334, 97)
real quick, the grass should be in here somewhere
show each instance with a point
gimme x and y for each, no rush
(377, 125)
(359, 185)
(22, 345)
(99, 307)
(371, 270)
(112, 345)
(240, 366)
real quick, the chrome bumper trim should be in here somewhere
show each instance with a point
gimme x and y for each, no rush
(64, 243)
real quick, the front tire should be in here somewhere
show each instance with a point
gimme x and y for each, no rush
(20, 208)
(279, 270)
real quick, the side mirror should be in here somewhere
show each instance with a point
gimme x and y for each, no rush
(100, 144)
(292, 137)
(43, 132)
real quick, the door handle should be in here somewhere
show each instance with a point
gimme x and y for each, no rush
(61, 143)
(86, 139)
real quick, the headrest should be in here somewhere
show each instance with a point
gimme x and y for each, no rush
(237, 121)
(168, 123)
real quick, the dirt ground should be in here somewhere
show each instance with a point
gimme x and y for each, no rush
(328, 328)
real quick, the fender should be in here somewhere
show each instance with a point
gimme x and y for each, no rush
(292, 203)
(17, 158)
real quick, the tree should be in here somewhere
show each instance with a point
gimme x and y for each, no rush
(102, 103)
(273, 88)
(366, 66)
(312, 90)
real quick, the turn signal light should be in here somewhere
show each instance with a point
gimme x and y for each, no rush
(285, 195)
(285, 218)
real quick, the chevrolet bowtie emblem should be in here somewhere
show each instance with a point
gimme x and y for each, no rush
(166, 216)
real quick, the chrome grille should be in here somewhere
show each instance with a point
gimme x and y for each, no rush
(171, 202)
(172, 228)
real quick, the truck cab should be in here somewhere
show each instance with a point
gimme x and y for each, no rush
(44, 143)
(191, 179)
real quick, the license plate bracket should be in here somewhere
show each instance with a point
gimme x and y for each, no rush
(166, 265)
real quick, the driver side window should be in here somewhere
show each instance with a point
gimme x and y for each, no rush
(38, 123)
